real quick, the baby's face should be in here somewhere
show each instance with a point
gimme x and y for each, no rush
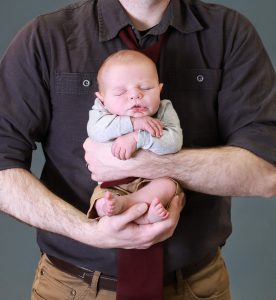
(132, 90)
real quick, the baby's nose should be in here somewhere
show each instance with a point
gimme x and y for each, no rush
(135, 94)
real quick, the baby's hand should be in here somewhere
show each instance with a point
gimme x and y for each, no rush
(124, 146)
(149, 124)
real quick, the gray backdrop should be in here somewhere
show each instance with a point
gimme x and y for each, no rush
(249, 253)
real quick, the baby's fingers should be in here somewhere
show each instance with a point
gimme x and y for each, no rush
(158, 127)
(116, 150)
(150, 128)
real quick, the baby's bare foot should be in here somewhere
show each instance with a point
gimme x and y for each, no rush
(111, 204)
(157, 212)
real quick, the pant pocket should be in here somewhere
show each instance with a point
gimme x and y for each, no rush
(48, 288)
(212, 282)
(52, 284)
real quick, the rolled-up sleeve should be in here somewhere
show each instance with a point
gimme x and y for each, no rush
(247, 99)
(24, 97)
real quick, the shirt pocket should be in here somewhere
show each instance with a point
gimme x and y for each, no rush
(194, 79)
(71, 100)
(194, 94)
(75, 83)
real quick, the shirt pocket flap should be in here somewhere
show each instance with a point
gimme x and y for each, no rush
(75, 83)
(195, 79)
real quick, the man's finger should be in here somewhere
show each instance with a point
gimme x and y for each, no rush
(176, 204)
(166, 228)
(131, 214)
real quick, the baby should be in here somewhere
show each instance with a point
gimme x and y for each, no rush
(128, 111)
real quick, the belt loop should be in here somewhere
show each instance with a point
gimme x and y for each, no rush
(179, 282)
(94, 283)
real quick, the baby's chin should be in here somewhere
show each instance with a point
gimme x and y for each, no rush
(139, 114)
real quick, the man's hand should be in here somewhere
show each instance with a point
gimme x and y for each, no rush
(124, 146)
(103, 165)
(121, 232)
(33, 204)
(149, 124)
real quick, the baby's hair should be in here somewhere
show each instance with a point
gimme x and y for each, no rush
(123, 57)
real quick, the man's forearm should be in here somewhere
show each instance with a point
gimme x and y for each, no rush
(25, 198)
(226, 171)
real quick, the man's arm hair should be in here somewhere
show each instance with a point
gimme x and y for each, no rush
(225, 171)
(25, 198)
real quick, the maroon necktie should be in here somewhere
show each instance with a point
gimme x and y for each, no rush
(140, 272)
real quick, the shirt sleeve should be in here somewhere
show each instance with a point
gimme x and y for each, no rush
(103, 126)
(247, 99)
(171, 141)
(24, 98)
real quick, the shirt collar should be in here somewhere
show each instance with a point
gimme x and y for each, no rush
(183, 18)
(112, 18)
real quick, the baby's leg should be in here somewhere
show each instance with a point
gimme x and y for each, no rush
(157, 212)
(158, 193)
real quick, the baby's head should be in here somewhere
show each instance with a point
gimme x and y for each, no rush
(129, 85)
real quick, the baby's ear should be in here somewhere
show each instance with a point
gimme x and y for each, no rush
(99, 96)
(161, 87)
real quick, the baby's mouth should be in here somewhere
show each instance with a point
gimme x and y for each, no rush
(138, 108)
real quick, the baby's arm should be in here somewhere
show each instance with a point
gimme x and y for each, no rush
(131, 134)
(124, 146)
(103, 126)
(171, 140)
(151, 125)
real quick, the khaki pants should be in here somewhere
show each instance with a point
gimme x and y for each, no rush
(212, 282)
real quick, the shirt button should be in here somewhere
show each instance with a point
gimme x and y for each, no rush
(200, 78)
(73, 293)
(86, 83)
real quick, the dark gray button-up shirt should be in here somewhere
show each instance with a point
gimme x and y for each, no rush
(214, 69)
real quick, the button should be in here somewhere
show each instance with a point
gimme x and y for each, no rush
(42, 272)
(86, 83)
(200, 78)
(73, 293)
